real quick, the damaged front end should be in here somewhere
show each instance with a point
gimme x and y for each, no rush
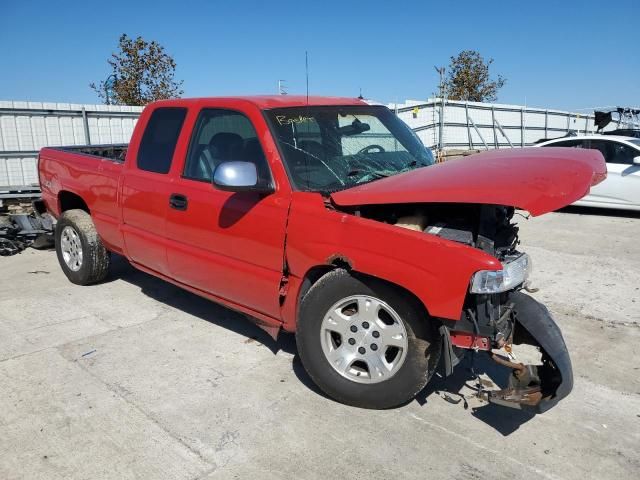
(504, 330)
(534, 387)
(471, 201)
(504, 322)
(498, 318)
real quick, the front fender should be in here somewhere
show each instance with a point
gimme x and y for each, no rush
(435, 270)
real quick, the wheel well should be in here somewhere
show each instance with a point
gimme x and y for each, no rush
(70, 201)
(316, 273)
(311, 277)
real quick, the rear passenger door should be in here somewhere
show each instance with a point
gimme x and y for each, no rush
(229, 245)
(146, 189)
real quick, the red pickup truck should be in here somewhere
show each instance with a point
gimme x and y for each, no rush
(327, 217)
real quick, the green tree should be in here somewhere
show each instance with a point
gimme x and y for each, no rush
(469, 78)
(141, 72)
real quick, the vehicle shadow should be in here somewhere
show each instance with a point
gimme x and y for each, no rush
(453, 389)
(180, 299)
(461, 386)
(209, 311)
(601, 212)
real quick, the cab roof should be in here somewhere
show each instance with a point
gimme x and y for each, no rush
(266, 102)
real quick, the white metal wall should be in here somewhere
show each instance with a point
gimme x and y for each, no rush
(521, 125)
(25, 127)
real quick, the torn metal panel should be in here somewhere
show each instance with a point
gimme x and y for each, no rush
(273, 330)
(340, 260)
(535, 388)
(469, 340)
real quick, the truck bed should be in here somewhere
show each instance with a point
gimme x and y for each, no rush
(115, 152)
(85, 177)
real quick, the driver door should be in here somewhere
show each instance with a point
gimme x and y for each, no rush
(227, 244)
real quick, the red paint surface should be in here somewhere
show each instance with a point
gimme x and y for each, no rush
(230, 247)
(469, 341)
(523, 177)
(435, 270)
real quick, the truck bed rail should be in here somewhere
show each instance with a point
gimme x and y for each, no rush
(116, 152)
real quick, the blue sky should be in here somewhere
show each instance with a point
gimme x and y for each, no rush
(557, 54)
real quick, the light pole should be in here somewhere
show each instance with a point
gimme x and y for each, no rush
(440, 71)
(282, 87)
(442, 94)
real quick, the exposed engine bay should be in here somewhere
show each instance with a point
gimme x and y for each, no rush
(487, 227)
(498, 323)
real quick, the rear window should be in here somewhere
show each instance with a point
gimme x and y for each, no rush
(160, 138)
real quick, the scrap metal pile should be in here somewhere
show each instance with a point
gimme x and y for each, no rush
(19, 231)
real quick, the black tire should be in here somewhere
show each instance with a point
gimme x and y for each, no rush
(95, 257)
(424, 343)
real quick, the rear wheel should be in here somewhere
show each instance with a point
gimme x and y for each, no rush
(364, 342)
(81, 254)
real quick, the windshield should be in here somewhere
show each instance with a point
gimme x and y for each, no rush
(327, 149)
(635, 142)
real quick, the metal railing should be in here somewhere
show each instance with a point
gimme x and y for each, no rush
(25, 127)
(444, 124)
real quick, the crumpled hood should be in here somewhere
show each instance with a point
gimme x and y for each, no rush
(538, 180)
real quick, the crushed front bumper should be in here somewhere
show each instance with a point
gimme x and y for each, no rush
(536, 388)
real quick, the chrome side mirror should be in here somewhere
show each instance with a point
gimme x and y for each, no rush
(238, 176)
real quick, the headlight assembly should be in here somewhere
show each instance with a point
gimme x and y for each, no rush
(514, 273)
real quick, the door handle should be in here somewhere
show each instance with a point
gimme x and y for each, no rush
(178, 201)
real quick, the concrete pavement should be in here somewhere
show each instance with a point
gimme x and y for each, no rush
(135, 378)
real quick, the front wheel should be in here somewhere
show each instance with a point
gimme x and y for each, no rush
(364, 342)
(81, 254)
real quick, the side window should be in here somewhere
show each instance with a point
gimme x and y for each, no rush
(604, 147)
(159, 139)
(567, 143)
(617, 152)
(222, 136)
